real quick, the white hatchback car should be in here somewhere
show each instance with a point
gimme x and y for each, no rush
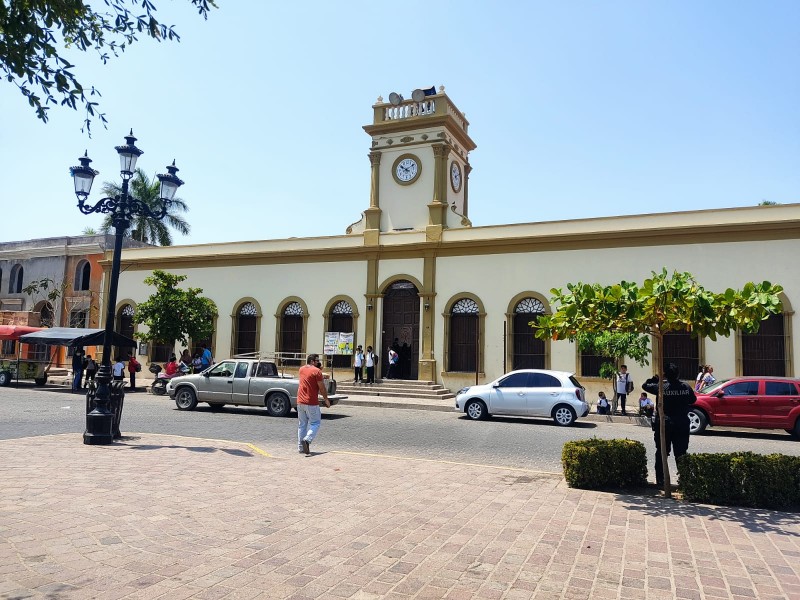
(526, 393)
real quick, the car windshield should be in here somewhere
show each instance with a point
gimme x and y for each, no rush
(709, 389)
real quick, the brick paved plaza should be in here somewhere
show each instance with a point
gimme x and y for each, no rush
(170, 517)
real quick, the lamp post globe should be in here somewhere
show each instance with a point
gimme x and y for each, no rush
(106, 400)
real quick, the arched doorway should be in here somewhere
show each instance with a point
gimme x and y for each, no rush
(401, 329)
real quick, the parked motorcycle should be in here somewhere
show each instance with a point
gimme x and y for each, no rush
(159, 385)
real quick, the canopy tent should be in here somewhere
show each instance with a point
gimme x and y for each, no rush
(13, 332)
(76, 336)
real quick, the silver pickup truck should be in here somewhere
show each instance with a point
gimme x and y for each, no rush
(241, 381)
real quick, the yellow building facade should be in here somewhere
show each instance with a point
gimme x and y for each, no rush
(416, 273)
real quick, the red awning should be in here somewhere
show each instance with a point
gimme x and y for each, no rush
(13, 332)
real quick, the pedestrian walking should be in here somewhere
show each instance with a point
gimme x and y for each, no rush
(678, 397)
(206, 359)
(77, 369)
(623, 385)
(370, 358)
(118, 369)
(91, 370)
(699, 383)
(709, 378)
(309, 418)
(134, 366)
(358, 366)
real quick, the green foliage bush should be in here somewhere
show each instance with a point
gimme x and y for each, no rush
(597, 464)
(741, 479)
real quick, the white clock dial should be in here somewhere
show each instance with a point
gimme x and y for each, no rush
(407, 169)
(455, 176)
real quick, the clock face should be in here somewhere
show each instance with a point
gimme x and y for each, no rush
(407, 169)
(455, 176)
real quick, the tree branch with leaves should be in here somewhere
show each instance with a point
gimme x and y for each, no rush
(35, 34)
(173, 314)
(663, 304)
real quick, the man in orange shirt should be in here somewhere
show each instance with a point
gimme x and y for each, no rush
(308, 413)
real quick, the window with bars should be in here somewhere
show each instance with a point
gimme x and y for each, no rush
(528, 350)
(464, 323)
(292, 332)
(764, 352)
(246, 329)
(681, 349)
(79, 318)
(591, 363)
(9, 347)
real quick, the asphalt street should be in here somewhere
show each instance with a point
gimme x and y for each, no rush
(510, 442)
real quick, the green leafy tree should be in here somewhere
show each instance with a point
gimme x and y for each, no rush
(34, 35)
(145, 229)
(55, 292)
(662, 304)
(615, 346)
(172, 313)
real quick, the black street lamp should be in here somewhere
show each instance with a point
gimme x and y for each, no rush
(100, 421)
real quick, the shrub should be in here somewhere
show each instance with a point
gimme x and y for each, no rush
(602, 464)
(741, 479)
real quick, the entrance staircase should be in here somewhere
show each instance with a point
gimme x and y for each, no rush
(396, 388)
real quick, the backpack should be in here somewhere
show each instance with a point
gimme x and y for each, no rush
(628, 383)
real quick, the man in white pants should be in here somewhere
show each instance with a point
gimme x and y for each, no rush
(308, 414)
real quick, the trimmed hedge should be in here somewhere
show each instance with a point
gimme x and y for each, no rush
(597, 464)
(741, 479)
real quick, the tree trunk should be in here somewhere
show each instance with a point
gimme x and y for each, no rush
(662, 428)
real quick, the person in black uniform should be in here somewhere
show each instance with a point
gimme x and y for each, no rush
(678, 397)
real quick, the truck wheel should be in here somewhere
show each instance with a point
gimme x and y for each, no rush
(185, 399)
(5, 378)
(278, 405)
(40, 381)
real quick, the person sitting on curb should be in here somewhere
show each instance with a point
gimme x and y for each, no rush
(645, 405)
(602, 404)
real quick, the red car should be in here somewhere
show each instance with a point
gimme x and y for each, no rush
(760, 402)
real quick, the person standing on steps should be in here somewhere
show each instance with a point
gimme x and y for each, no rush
(370, 358)
(311, 386)
(358, 365)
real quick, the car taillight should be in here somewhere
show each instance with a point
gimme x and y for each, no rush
(578, 394)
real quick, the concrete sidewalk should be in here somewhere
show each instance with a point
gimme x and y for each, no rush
(168, 517)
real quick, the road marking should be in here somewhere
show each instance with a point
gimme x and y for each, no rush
(448, 462)
(258, 450)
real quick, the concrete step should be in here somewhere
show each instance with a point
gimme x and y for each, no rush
(397, 389)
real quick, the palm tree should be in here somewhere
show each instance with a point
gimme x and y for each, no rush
(144, 229)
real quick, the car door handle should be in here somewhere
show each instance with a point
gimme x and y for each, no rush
(230, 382)
(554, 393)
(520, 393)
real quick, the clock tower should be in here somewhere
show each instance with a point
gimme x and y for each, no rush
(419, 160)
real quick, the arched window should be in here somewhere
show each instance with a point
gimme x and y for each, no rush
(292, 333)
(246, 340)
(125, 324)
(83, 274)
(46, 318)
(529, 351)
(764, 352)
(46, 315)
(341, 320)
(15, 280)
(683, 350)
(464, 323)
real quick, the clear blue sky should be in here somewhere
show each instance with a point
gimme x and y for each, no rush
(579, 109)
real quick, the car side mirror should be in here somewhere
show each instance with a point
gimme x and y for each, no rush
(720, 394)
(206, 374)
(495, 385)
